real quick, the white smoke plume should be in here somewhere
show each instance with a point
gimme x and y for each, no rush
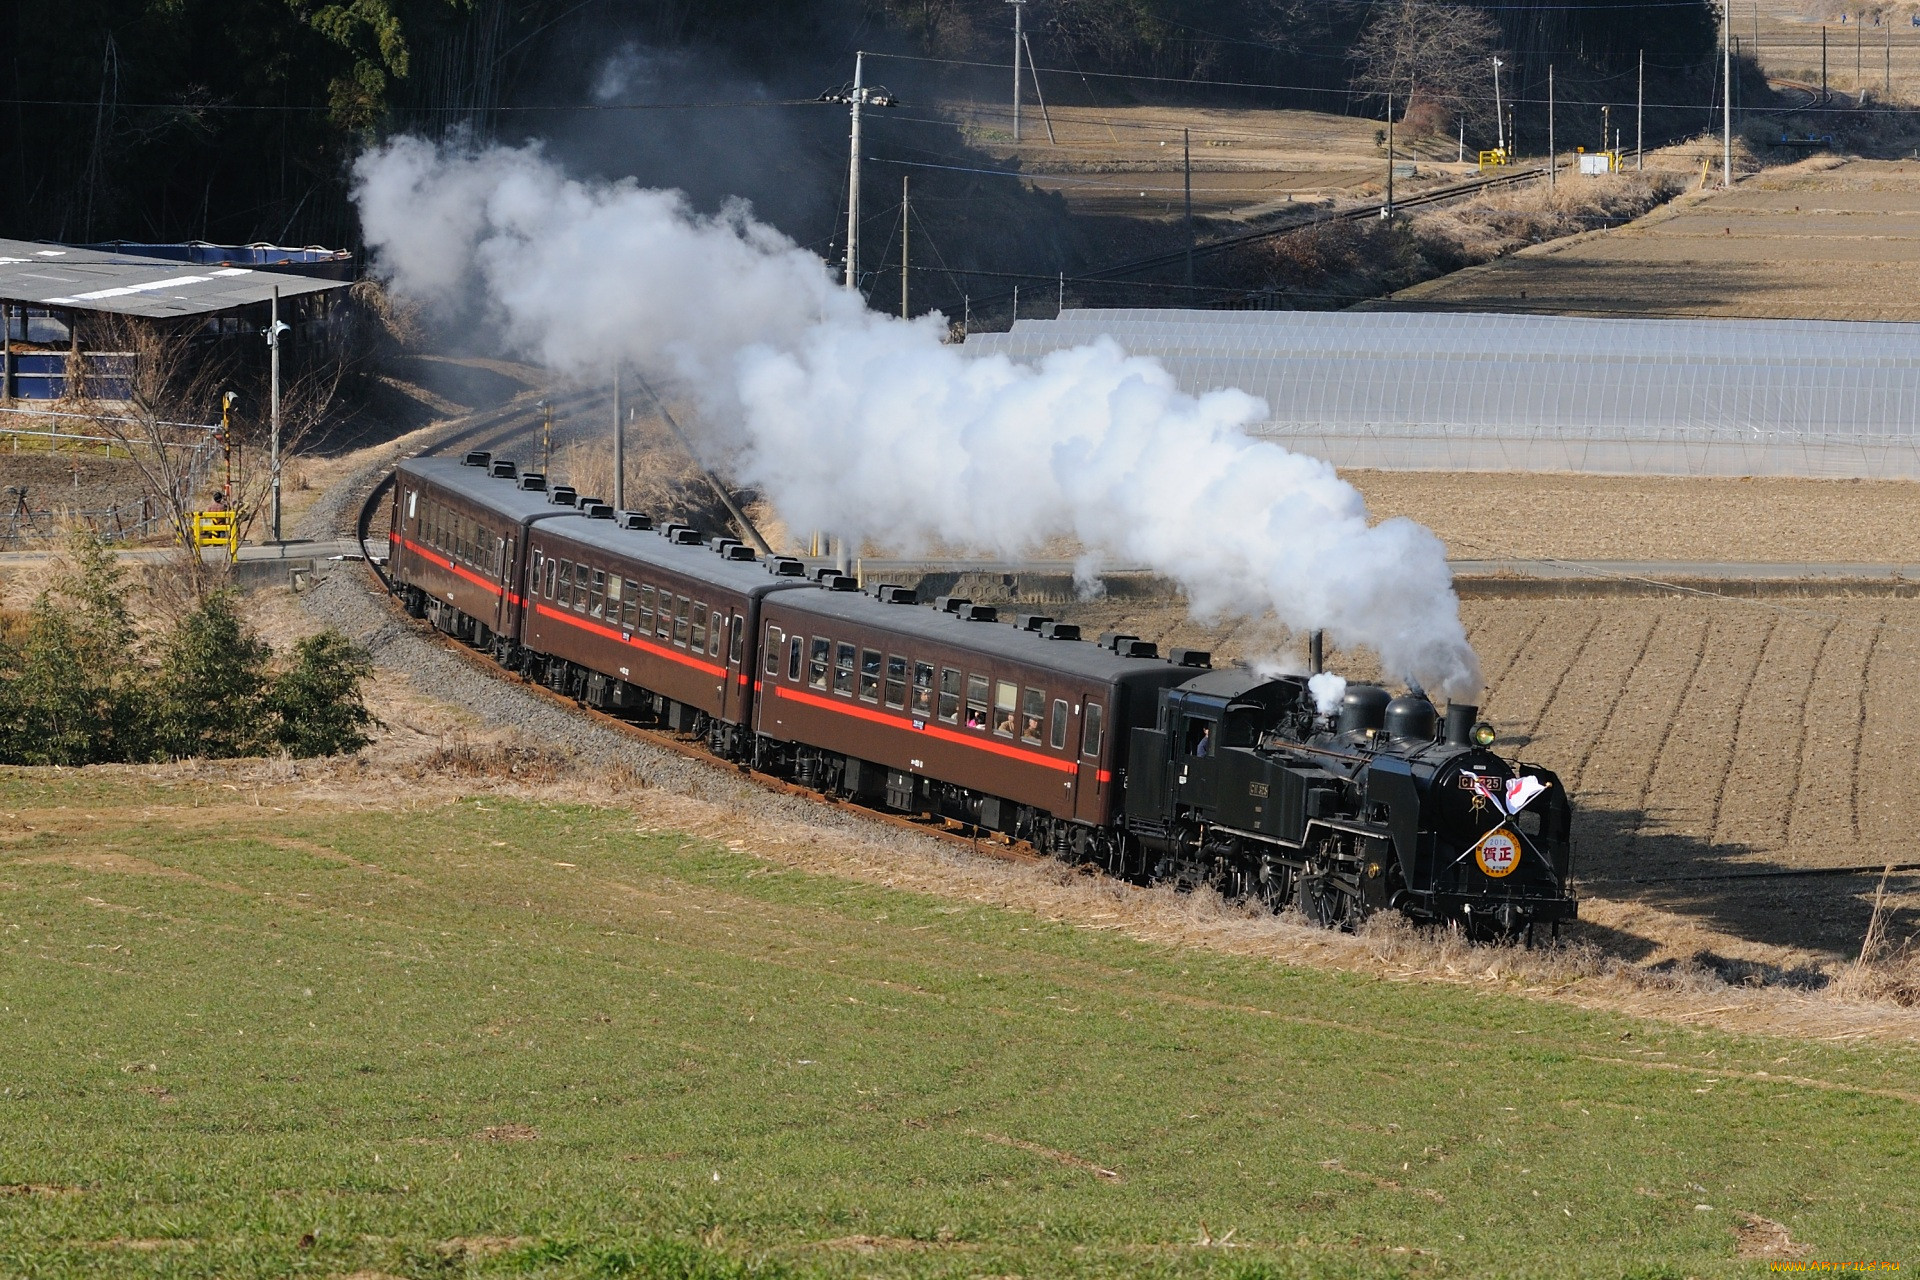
(873, 427)
(1327, 689)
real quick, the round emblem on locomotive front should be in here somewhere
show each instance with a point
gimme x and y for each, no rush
(1498, 853)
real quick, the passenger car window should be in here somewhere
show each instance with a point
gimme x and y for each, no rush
(843, 660)
(870, 675)
(1058, 737)
(699, 625)
(413, 502)
(553, 567)
(565, 598)
(976, 702)
(1090, 731)
(793, 659)
(817, 663)
(630, 611)
(681, 606)
(1033, 714)
(716, 634)
(922, 691)
(539, 567)
(896, 681)
(613, 598)
(596, 598)
(950, 695)
(1004, 694)
(646, 610)
(776, 641)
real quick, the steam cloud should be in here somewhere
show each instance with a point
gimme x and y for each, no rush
(873, 427)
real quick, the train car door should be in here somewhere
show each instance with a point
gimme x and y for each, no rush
(733, 696)
(1093, 784)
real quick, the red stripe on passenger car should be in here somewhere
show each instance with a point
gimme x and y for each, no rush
(453, 568)
(622, 638)
(932, 731)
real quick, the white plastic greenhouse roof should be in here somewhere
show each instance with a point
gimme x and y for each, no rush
(1496, 392)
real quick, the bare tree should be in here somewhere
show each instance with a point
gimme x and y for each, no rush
(1431, 55)
(167, 381)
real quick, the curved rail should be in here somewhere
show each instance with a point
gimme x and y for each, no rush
(365, 522)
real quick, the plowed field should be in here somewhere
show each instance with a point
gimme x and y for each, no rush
(1701, 739)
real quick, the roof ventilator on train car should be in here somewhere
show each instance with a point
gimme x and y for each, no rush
(1060, 631)
(1111, 639)
(950, 604)
(843, 582)
(824, 573)
(562, 495)
(503, 469)
(787, 567)
(532, 482)
(979, 613)
(583, 501)
(597, 511)
(1031, 621)
(684, 537)
(639, 521)
(740, 551)
(720, 543)
(888, 593)
(1191, 658)
(1132, 648)
(478, 458)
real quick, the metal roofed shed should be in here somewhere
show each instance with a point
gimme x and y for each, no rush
(47, 292)
(1491, 392)
(58, 276)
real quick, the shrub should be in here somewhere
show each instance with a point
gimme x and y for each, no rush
(78, 686)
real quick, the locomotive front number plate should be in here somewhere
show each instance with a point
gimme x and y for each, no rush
(1498, 852)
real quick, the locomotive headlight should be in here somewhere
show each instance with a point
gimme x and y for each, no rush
(1483, 734)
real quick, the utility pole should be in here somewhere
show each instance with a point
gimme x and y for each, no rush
(1553, 152)
(1499, 118)
(619, 444)
(1388, 211)
(1639, 117)
(1019, 7)
(1186, 160)
(1859, 37)
(1886, 27)
(274, 330)
(546, 438)
(854, 102)
(1061, 305)
(1823, 66)
(1726, 100)
(903, 246)
(1606, 129)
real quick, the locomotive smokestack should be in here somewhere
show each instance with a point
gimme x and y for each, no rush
(1316, 655)
(1460, 720)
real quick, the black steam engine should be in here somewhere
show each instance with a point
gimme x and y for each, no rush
(1243, 784)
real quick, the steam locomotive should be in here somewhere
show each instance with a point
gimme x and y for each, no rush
(1157, 768)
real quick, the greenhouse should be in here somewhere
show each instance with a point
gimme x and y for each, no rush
(1526, 392)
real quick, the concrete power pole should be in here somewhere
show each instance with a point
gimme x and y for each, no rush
(1499, 120)
(1640, 116)
(1553, 155)
(854, 102)
(274, 330)
(1726, 102)
(1186, 162)
(619, 444)
(1019, 7)
(903, 246)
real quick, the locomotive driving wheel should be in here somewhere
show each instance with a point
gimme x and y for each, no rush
(1329, 890)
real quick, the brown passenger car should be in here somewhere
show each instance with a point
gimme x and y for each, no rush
(926, 694)
(672, 618)
(457, 536)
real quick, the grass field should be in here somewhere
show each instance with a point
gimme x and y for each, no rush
(268, 1034)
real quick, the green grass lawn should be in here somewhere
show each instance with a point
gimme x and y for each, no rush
(497, 1038)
